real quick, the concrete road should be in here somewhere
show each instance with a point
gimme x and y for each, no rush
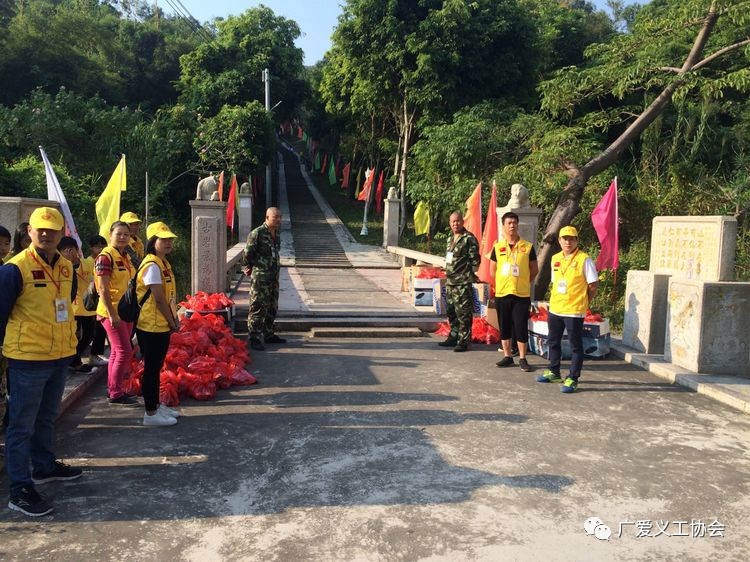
(400, 450)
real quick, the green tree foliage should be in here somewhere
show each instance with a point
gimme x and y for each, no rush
(394, 64)
(86, 46)
(227, 70)
(237, 139)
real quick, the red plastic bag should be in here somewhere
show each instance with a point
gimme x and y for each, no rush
(483, 332)
(430, 273)
(444, 329)
(240, 377)
(202, 390)
(593, 317)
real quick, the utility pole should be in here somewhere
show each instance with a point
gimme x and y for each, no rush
(266, 77)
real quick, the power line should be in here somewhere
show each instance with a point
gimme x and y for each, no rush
(183, 13)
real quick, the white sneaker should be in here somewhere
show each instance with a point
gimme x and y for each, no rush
(167, 411)
(99, 360)
(158, 419)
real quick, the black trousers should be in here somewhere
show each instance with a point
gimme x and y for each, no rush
(154, 347)
(513, 315)
(100, 334)
(85, 330)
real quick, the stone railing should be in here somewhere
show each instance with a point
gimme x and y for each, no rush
(412, 257)
(234, 266)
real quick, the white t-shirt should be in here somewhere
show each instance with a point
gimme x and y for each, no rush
(589, 271)
(152, 275)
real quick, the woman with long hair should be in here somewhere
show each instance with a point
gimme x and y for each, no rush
(113, 272)
(157, 320)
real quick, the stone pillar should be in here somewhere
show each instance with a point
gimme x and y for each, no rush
(706, 326)
(208, 246)
(644, 326)
(246, 215)
(528, 222)
(390, 219)
(15, 210)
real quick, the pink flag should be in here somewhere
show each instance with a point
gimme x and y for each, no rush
(605, 219)
(231, 199)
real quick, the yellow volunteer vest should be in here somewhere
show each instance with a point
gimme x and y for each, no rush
(575, 301)
(85, 275)
(137, 246)
(33, 332)
(151, 318)
(506, 283)
(122, 272)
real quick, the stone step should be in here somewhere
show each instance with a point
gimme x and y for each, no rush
(368, 332)
(306, 323)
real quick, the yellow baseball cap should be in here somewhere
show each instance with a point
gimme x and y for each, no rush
(47, 218)
(160, 230)
(568, 231)
(129, 217)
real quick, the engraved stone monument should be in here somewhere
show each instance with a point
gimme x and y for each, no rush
(208, 246)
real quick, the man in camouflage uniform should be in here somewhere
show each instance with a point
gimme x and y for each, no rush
(461, 263)
(261, 263)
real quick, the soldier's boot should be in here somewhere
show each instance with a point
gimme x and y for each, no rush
(256, 344)
(450, 342)
(463, 346)
(273, 338)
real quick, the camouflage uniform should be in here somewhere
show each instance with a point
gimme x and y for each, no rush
(460, 275)
(262, 255)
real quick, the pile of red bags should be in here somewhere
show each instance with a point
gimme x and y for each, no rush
(202, 357)
(203, 302)
(481, 331)
(430, 273)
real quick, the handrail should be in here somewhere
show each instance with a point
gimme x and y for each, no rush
(233, 264)
(408, 257)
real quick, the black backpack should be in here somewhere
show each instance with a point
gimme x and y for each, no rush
(129, 307)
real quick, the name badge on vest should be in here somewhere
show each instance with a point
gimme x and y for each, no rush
(515, 271)
(562, 287)
(505, 271)
(61, 310)
(448, 258)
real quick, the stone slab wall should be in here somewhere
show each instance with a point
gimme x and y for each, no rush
(694, 247)
(707, 326)
(644, 324)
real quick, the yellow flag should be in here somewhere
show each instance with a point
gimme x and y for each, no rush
(421, 218)
(108, 205)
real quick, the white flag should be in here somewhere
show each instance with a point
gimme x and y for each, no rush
(55, 193)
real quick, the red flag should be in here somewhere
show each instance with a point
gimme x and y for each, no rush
(473, 216)
(338, 166)
(324, 167)
(221, 186)
(489, 237)
(231, 202)
(347, 171)
(379, 194)
(605, 219)
(365, 193)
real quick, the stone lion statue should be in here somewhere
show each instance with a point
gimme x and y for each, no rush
(207, 189)
(393, 193)
(519, 197)
(245, 188)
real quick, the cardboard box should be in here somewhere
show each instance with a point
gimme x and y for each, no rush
(413, 274)
(480, 295)
(592, 347)
(590, 329)
(430, 293)
(492, 318)
(596, 329)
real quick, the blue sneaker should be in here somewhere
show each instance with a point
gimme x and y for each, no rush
(569, 385)
(549, 376)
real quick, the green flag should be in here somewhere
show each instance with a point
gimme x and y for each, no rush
(421, 219)
(331, 173)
